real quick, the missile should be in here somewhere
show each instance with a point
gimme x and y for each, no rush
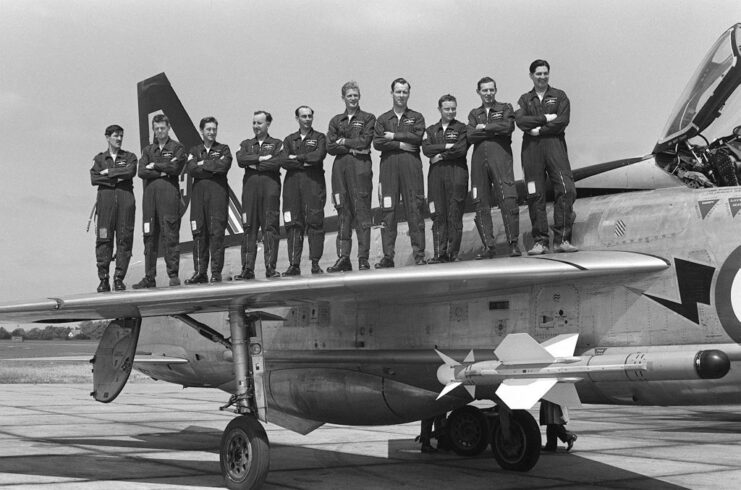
(527, 371)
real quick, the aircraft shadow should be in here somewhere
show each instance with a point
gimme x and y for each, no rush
(157, 458)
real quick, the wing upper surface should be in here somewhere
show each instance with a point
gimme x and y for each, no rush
(457, 280)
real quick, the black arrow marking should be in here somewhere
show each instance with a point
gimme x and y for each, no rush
(694, 282)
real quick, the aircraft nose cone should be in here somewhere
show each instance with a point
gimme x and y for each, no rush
(710, 364)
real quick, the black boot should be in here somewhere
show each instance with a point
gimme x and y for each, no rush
(118, 284)
(215, 276)
(146, 282)
(514, 250)
(197, 278)
(245, 275)
(363, 265)
(343, 264)
(104, 286)
(271, 272)
(386, 263)
(488, 253)
(293, 270)
(315, 269)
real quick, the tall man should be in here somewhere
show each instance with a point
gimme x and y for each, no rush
(543, 116)
(261, 158)
(349, 138)
(398, 135)
(304, 192)
(113, 171)
(159, 167)
(208, 165)
(447, 180)
(490, 128)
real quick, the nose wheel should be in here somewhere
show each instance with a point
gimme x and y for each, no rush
(244, 454)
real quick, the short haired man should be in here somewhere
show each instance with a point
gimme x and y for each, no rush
(398, 135)
(543, 115)
(304, 192)
(490, 128)
(160, 167)
(208, 166)
(113, 172)
(349, 139)
(447, 180)
(261, 158)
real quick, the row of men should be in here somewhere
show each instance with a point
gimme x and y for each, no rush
(398, 134)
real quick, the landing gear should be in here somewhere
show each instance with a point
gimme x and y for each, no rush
(468, 431)
(244, 453)
(515, 440)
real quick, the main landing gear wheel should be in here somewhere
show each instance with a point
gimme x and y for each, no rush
(521, 450)
(244, 453)
(468, 431)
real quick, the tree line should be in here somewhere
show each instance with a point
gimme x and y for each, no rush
(88, 330)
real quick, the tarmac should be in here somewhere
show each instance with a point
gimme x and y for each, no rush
(157, 435)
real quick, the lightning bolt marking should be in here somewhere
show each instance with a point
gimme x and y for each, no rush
(694, 282)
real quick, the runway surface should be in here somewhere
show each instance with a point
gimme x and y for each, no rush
(159, 436)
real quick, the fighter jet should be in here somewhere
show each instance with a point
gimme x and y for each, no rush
(653, 296)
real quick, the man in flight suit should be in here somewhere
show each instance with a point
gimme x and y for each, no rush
(159, 167)
(304, 192)
(543, 116)
(398, 135)
(490, 128)
(447, 180)
(113, 171)
(261, 158)
(208, 165)
(349, 138)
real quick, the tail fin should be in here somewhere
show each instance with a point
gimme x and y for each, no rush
(155, 95)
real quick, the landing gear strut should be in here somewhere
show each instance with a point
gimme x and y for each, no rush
(245, 451)
(515, 439)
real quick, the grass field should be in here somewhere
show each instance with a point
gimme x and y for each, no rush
(30, 370)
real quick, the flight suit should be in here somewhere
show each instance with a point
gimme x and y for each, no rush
(401, 175)
(304, 194)
(352, 179)
(161, 204)
(209, 203)
(447, 185)
(260, 199)
(116, 208)
(491, 170)
(546, 154)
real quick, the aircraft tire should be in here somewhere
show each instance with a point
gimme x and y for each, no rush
(524, 453)
(244, 454)
(468, 431)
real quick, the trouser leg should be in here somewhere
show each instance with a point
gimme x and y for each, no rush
(481, 197)
(314, 196)
(437, 204)
(271, 223)
(412, 188)
(388, 196)
(533, 167)
(219, 204)
(503, 180)
(104, 231)
(125, 215)
(456, 203)
(340, 198)
(559, 172)
(362, 178)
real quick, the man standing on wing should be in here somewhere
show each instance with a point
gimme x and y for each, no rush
(160, 167)
(490, 128)
(349, 138)
(543, 116)
(398, 135)
(447, 180)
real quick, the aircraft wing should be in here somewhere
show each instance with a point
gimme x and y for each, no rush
(415, 283)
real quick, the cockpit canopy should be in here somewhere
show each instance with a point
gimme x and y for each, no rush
(710, 104)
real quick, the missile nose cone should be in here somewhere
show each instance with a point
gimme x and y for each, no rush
(445, 374)
(711, 364)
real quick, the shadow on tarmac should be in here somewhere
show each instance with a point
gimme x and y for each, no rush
(156, 458)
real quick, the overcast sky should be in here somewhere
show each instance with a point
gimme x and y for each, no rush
(68, 69)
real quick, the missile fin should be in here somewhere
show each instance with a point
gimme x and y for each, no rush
(447, 360)
(448, 388)
(563, 394)
(521, 348)
(523, 394)
(471, 389)
(562, 345)
(470, 357)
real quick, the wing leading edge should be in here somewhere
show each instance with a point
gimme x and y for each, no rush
(458, 280)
